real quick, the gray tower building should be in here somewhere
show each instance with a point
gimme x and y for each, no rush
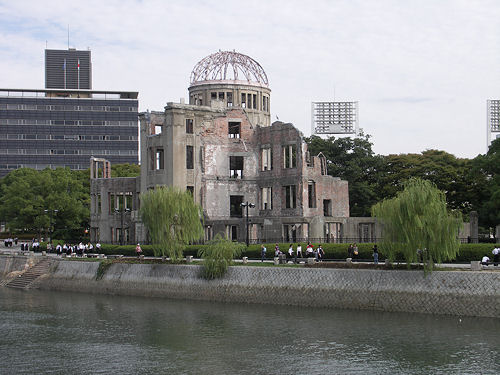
(68, 69)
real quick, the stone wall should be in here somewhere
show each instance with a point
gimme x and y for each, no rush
(460, 293)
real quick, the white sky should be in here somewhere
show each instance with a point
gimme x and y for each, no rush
(421, 70)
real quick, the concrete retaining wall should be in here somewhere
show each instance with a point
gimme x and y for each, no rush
(464, 293)
(13, 263)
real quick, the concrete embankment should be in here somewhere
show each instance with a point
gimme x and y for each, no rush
(464, 293)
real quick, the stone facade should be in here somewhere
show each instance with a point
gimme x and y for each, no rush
(222, 148)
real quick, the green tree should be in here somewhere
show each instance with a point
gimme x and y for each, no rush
(487, 173)
(125, 170)
(352, 159)
(454, 176)
(218, 255)
(37, 201)
(173, 220)
(417, 218)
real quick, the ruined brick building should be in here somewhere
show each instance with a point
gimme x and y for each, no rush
(223, 148)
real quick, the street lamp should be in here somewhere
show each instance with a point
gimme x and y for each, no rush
(247, 205)
(50, 212)
(122, 211)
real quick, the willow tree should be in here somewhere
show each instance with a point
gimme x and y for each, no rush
(173, 220)
(416, 222)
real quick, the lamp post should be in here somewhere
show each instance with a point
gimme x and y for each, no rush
(122, 213)
(247, 205)
(50, 212)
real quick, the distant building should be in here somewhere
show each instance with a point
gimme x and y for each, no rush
(223, 149)
(64, 128)
(492, 122)
(335, 118)
(68, 69)
(66, 123)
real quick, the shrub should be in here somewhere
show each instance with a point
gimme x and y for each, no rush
(218, 255)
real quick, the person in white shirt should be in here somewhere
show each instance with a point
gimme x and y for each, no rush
(485, 260)
(496, 255)
(299, 251)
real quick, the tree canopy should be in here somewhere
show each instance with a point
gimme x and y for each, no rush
(418, 219)
(172, 218)
(352, 159)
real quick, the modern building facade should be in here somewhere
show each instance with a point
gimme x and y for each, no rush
(68, 69)
(64, 128)
(223, 149)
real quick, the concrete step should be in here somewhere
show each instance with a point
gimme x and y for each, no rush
(27, 278)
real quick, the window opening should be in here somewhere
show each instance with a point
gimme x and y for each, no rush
(290, 196)
(289, 156)
(266, 194)
(235, 209)
(159, 164)
(189, 157)
(267, 159)
(327, 207)
(234, 129)
(189, 126)
(311, 190)
(236, 166)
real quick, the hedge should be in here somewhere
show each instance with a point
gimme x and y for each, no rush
(468, 252)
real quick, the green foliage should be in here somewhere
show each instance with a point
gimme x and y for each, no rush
(218, 255)
(352, 159)
(27, 193)
(125, 170)
(417, 218)
(453, 175)
(173, 220)
(103, 267)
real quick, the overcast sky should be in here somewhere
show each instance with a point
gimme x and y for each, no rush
(421, 70)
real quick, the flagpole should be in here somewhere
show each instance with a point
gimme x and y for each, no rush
(64, 66)
(78, 74)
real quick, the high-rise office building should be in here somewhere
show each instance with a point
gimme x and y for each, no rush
(66, 123)
(68, 69)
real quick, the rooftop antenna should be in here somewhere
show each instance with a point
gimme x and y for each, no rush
(68, 35)
(46, 43)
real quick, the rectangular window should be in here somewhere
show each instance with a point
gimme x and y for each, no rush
(159, 159)
(235, 209)
(221, 95)
(236, 166)
(234, 232)
(234, 129)
(190, 189)
(266, 159)
(290, 196)
(189, 126)
(254, 106)
(213, 95)
(289, 156)
(327, 207)
(189, 157)
(266, 194)
(311, 194)
(229, 96)
(243, 100)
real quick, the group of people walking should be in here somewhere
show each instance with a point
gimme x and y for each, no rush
(293, 254)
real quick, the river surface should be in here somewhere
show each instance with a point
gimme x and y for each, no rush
(71, 333)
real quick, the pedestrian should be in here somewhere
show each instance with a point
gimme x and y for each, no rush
(138, 250)
(309, 250)
(299, 251)
(496, 255)
(350, 251)
(263, 251)
(375, 254)
(277, 251)
(321, 253)
(355, 251)
(290, 252)
(485, 260)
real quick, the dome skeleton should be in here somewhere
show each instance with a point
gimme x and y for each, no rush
(219, 66)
